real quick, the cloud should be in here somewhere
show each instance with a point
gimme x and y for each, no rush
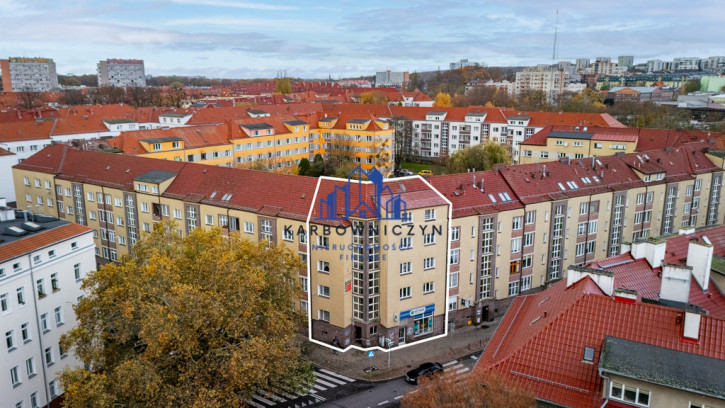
(234, 4)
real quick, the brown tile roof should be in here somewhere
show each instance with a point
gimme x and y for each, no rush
(40, 240)
(193, 137)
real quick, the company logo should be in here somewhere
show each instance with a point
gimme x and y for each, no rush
(357, 200)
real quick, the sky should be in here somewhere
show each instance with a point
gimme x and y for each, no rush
(317, 39)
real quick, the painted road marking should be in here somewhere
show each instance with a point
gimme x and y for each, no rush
(450, 363)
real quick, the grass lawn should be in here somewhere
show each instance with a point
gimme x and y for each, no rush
(416, 167)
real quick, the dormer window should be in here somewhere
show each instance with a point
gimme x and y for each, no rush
(157, 146)
(176, 145)
(588, 354)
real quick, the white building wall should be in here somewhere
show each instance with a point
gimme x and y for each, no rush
(18, 314)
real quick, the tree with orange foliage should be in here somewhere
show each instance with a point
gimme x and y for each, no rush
(479, 389)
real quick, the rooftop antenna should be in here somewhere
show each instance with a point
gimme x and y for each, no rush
(556, 35)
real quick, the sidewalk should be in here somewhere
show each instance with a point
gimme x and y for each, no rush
(353, 363)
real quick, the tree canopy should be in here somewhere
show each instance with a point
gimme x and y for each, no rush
(443, 100)
(374, 97)
(479, 157)
(479, 389)
(200, 321)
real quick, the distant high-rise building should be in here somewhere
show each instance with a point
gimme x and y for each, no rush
(582, 64)
(658, 65)
(625, 61)
(604, 59)
(28, 74)
(463, 64)
(686, 64)
(120, 72)
(387, 78)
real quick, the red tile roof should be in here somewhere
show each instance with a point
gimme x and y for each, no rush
(40, 240)
(469, 200)
(25, 130)
(540, 342)
(541, 119)
(193, 137)
(4, 152)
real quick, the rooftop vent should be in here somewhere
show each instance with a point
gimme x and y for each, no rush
(31, 226)
(15, 231)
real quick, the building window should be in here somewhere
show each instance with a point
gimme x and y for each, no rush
(588, 354)
(516, 224)
(303, 283)
(53, 386)
(49, 356)
(248, 227)
(455, 256)
(323, 315)
(44, 323)
(21, 295)
(10, 340)
(455, 233)
(429, 263)
(266, 229)
(430, 214)
(406, 243)
(515, 245)
(177, 213)
(15, 376)
(428, 287)
(54, 282)
(513, 288)
(406, 267)
(429, 239)
(323, 291)
(41, 289)
(323, 266)
(619, 391)
(25, 332)
(58, 316)
(288, 235)
(405, 292)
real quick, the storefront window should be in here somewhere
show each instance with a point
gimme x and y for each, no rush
(423, 325)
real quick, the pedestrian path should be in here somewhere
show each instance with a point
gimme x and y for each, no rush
(284, 397)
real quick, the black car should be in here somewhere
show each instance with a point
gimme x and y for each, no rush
(423, 370)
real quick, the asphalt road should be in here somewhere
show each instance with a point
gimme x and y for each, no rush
(387, 394)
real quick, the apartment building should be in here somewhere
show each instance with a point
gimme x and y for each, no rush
(271, 143)
(512, 230)
(121, 73)
(28, 74)
(42, 262)
(580, 142)
(550, 82)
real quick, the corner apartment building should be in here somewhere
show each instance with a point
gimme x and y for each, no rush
(28, 74)
(42, 262)
(551, 82)
(121, 73)
(512, 230)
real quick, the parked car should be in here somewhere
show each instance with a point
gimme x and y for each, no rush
(424, 370)
(425, 173)
(403, 173)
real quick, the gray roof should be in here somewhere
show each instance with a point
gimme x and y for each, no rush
(162, 139)
(436, 113)
(155, 176)
(517, 117)
(295, 122)
(175, 115)
(119, 121)
(664, 366)
(361, 121)
(45, 222)
(257, 126)
(571, 135)
(257, 112)
(327, 119)
(481, 114)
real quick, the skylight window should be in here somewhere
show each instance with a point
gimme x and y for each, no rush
(507, 196)
(586, 180)
(561, 186)
(226, 197)
(595, 178)
(589, 354)
(212, 195)
(572, 185)
(598, 162)
(492, 198)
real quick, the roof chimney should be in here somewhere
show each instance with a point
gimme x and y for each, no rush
(691, 330)
(603, 279)
(652, 249)
(625, 295)
(675, 283)
(699, 257)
